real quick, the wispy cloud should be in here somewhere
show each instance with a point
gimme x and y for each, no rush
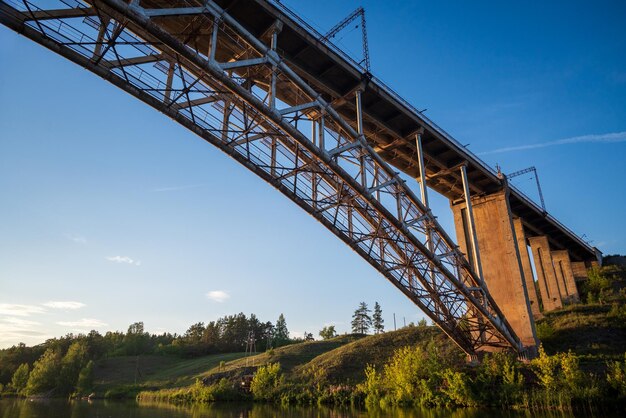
(121, 259)
(595, 138)
(56, 304)
(84, 323)
(76, 238)
(218, 295)
(14, 330)
(20, 310)
(19, 322)
(175, 188)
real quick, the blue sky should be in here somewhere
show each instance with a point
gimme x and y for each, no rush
(115, 208)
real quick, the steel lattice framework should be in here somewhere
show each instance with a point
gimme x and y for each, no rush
(196, 64)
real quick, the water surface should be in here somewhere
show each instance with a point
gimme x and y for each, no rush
(55, 408)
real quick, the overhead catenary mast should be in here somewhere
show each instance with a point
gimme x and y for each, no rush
(534, 171)
(360, 12)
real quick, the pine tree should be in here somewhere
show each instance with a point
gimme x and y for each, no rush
(361, 320)
(281, 333)
(377, 319)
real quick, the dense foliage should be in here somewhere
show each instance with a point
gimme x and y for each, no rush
(64, 366)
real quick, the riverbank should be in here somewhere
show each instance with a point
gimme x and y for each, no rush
(582, 362)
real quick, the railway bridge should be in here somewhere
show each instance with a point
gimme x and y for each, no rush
(253, 79)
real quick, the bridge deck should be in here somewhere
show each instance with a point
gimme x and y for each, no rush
(389, 121)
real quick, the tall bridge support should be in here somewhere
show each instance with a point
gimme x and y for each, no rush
(563, 268)
(580, 270)
(548, 284)
(526, 268)
(500, 258)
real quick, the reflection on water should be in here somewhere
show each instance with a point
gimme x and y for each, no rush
(20, 408)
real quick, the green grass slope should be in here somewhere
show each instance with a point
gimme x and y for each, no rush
(347, 363)
(151, 371)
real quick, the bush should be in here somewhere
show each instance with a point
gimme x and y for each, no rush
(544, 330)
(597, 286)
(616, 376)
(372, 386)
(265, 381)
(499, 380)
(123, 392)
(562, 381)
(198, 392)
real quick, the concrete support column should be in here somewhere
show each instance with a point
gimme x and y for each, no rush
(560, 279)
(548, 285)
(500, 259)
(579, 270)
(526, 268)
(563, 267)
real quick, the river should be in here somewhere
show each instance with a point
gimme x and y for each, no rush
(22, 408)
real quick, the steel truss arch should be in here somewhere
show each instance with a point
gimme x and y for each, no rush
(198, 65)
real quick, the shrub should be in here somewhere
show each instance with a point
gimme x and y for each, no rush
(266, 380)
(544, 330)
(499, 380)
(457, 388)
(616, 376)
(372, 386)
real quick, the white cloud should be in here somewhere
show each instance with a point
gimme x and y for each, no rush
(14, 330)
(55, 304)
(19, 322)
(20, 310)
(120, 259)
(218, 295)
(76, 238)
(594, 138)
(84, 323)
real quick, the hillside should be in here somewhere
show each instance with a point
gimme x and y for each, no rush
(347, 363)
(596, 329)
(133, 373)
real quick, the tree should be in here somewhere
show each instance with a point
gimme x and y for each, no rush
(136, 341)
(308, 336)
(84, 385)
(328, 332)
(361, 320)
(377, 319)
(195, 333)
(45, 372)
(74, 360)
(20, 377)
(281, 333)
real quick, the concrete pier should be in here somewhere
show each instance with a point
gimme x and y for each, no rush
(563, 267)
(500, 259)
(549, 286)
(526, 268)
(580, 270)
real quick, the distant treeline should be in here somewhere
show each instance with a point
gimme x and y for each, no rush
(64, 366)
